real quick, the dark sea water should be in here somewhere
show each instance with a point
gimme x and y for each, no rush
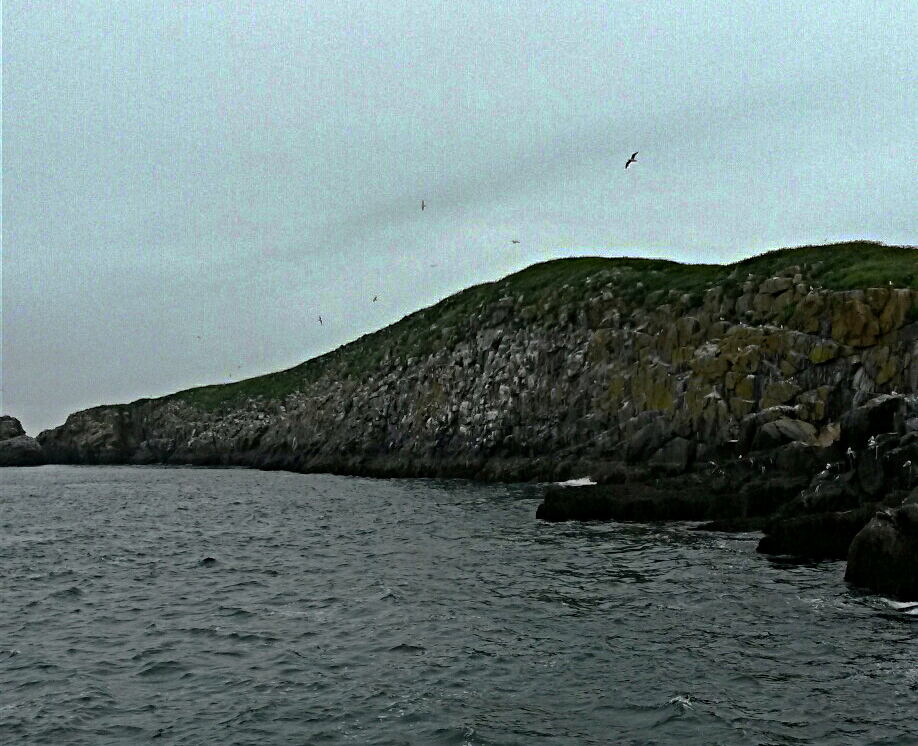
(343, 610)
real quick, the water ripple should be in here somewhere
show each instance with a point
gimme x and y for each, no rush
(193, 606)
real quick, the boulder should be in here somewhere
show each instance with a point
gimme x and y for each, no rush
(829, 492)
(779, 392)
(10, 427)
(762, 497)
(21, 451)
(799, 459)
(853, 323)
(675, 457)
(17, 448)
(816, 536)
(776, 285)
(785, 430)
(647, 440)
(883, 414)
(750, 425)
(890, 464)
(883, 557)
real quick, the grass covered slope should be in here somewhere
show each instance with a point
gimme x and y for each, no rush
(545, 289)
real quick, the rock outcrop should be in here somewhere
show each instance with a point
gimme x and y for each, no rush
(884, 554)
(17, 448)
(754, 395)
(535, 385)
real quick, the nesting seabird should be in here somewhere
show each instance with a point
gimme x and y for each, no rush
(632, 159)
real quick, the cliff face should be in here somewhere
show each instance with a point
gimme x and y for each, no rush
(548, 381)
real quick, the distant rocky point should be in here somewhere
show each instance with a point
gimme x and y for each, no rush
(775, 393)
(17, 448)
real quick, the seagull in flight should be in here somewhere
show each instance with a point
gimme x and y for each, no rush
(514, 241)
(375, 297)
(320, 321)
(422, 205)
(632, 159)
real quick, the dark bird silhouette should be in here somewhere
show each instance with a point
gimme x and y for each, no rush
(375, 297)
(514, 241)
(320, 320)
(632, 159)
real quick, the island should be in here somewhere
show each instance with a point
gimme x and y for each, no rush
(779, 393)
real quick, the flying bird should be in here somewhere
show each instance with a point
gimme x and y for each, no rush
(514, 241)
(422, 205)
(375, 297)
(632, 159)
(320, 320)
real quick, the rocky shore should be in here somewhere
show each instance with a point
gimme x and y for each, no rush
(17, 448)
(755, 396)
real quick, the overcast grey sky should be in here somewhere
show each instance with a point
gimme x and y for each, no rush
(188, 185)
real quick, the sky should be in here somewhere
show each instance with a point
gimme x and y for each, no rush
(187, 186)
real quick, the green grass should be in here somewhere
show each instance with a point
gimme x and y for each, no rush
(844, 266)
(548, 286)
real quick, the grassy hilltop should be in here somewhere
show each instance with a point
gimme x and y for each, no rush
(545, 288)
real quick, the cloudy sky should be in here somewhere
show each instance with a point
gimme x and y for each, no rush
(188, 185)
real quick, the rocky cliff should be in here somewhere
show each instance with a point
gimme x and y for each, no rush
(780, 392)
(559, 369)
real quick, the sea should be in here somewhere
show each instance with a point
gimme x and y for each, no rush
(229, 606)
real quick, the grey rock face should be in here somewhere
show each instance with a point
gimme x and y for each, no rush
(569, 378)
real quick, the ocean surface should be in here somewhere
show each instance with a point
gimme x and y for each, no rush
(210, 606)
